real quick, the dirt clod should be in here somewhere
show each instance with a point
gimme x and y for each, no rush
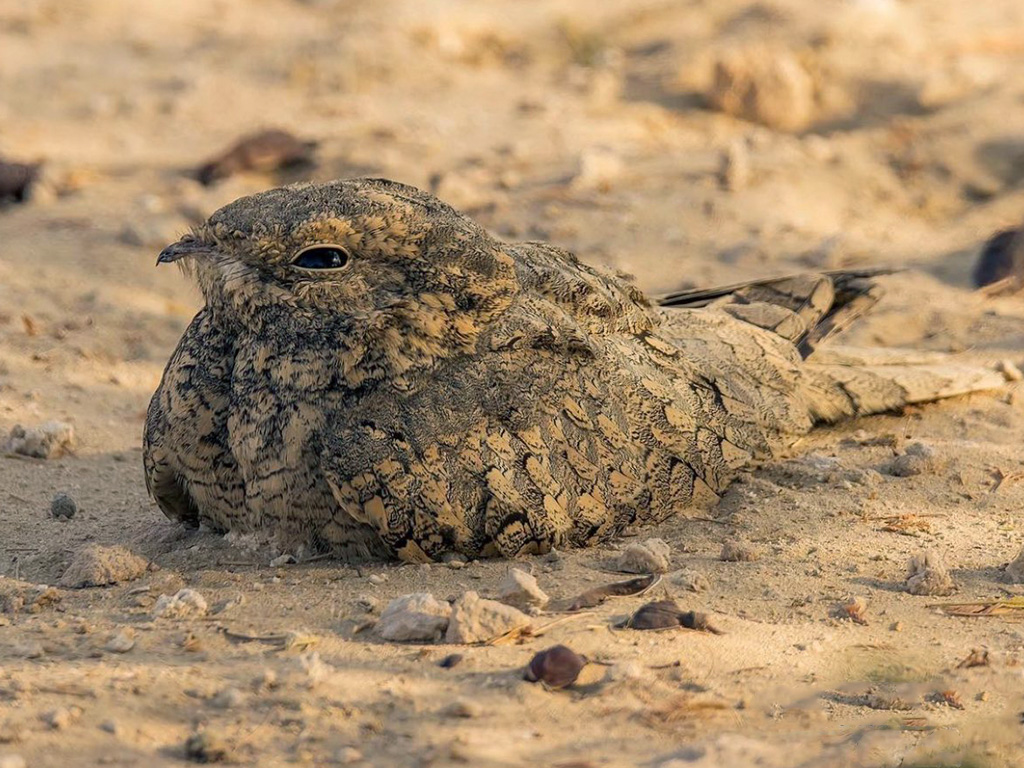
(184, 604)
(648, 556)
(100, 566)
(764, 85)
(927, 575)
(63, 506)
(736, 551)
(47, 441)
(206, 747)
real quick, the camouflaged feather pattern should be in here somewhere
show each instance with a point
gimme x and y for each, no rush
(446, 392)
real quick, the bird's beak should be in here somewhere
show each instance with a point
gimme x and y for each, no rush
(179, 250)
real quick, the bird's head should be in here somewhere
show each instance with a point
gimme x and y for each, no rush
(387, 274)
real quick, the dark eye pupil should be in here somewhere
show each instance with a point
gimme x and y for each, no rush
(325, 257)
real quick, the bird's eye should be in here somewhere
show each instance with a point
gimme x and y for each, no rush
(321, 257)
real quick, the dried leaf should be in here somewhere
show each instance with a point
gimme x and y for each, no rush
(907, 525)
(665, 614)
(982, 607)
(978, 657)
(597, 595)
(264, 151)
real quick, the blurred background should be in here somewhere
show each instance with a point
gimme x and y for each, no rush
(685, 141)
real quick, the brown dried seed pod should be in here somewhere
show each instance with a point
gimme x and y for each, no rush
(597, 595)
(263, 151)
(1002, 257)
(16, 180)
(662, 614)
(556, 667)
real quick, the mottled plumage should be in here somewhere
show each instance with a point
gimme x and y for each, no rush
(443, 391)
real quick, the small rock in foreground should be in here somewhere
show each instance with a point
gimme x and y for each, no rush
(926, 575)
(120, 642)
(205, 747)
(419, 617)
(764, 85)
(917, 459)
(476, 620)
(1014, 571)
(648, 556)
(184, 604)
(47, 441)
(735, 551)
(521, 590)
(63, 506)
(99, 566)
(695, 581)
(61, 718)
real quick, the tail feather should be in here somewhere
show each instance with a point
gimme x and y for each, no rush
(840, 382)
(837, 391)
(806, 309)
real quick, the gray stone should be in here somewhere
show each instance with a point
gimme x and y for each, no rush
(521, 590)
(417, 617)
(476, 620)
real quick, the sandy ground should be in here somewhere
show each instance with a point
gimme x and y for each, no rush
(585, 124)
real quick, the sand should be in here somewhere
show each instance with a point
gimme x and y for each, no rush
(589, 125)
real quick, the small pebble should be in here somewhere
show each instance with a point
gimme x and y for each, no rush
(265, 681)
(918, 458)
(47, 441)
(927, 575)
(205, 747)
(735, 551)
(1014, 571)
(451, 660)
(184, 604)
(280, 560)
(765, 85)
(63, 507)
(110, 726)
(376, 579)
(347, 756)
(229, 698)
(121, 641)
(690, 579)
(463, 708)
(648, 556)
(1009, 370)
(735, 173)
(61, 718)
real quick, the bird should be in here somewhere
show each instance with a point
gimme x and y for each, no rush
(373, 376)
